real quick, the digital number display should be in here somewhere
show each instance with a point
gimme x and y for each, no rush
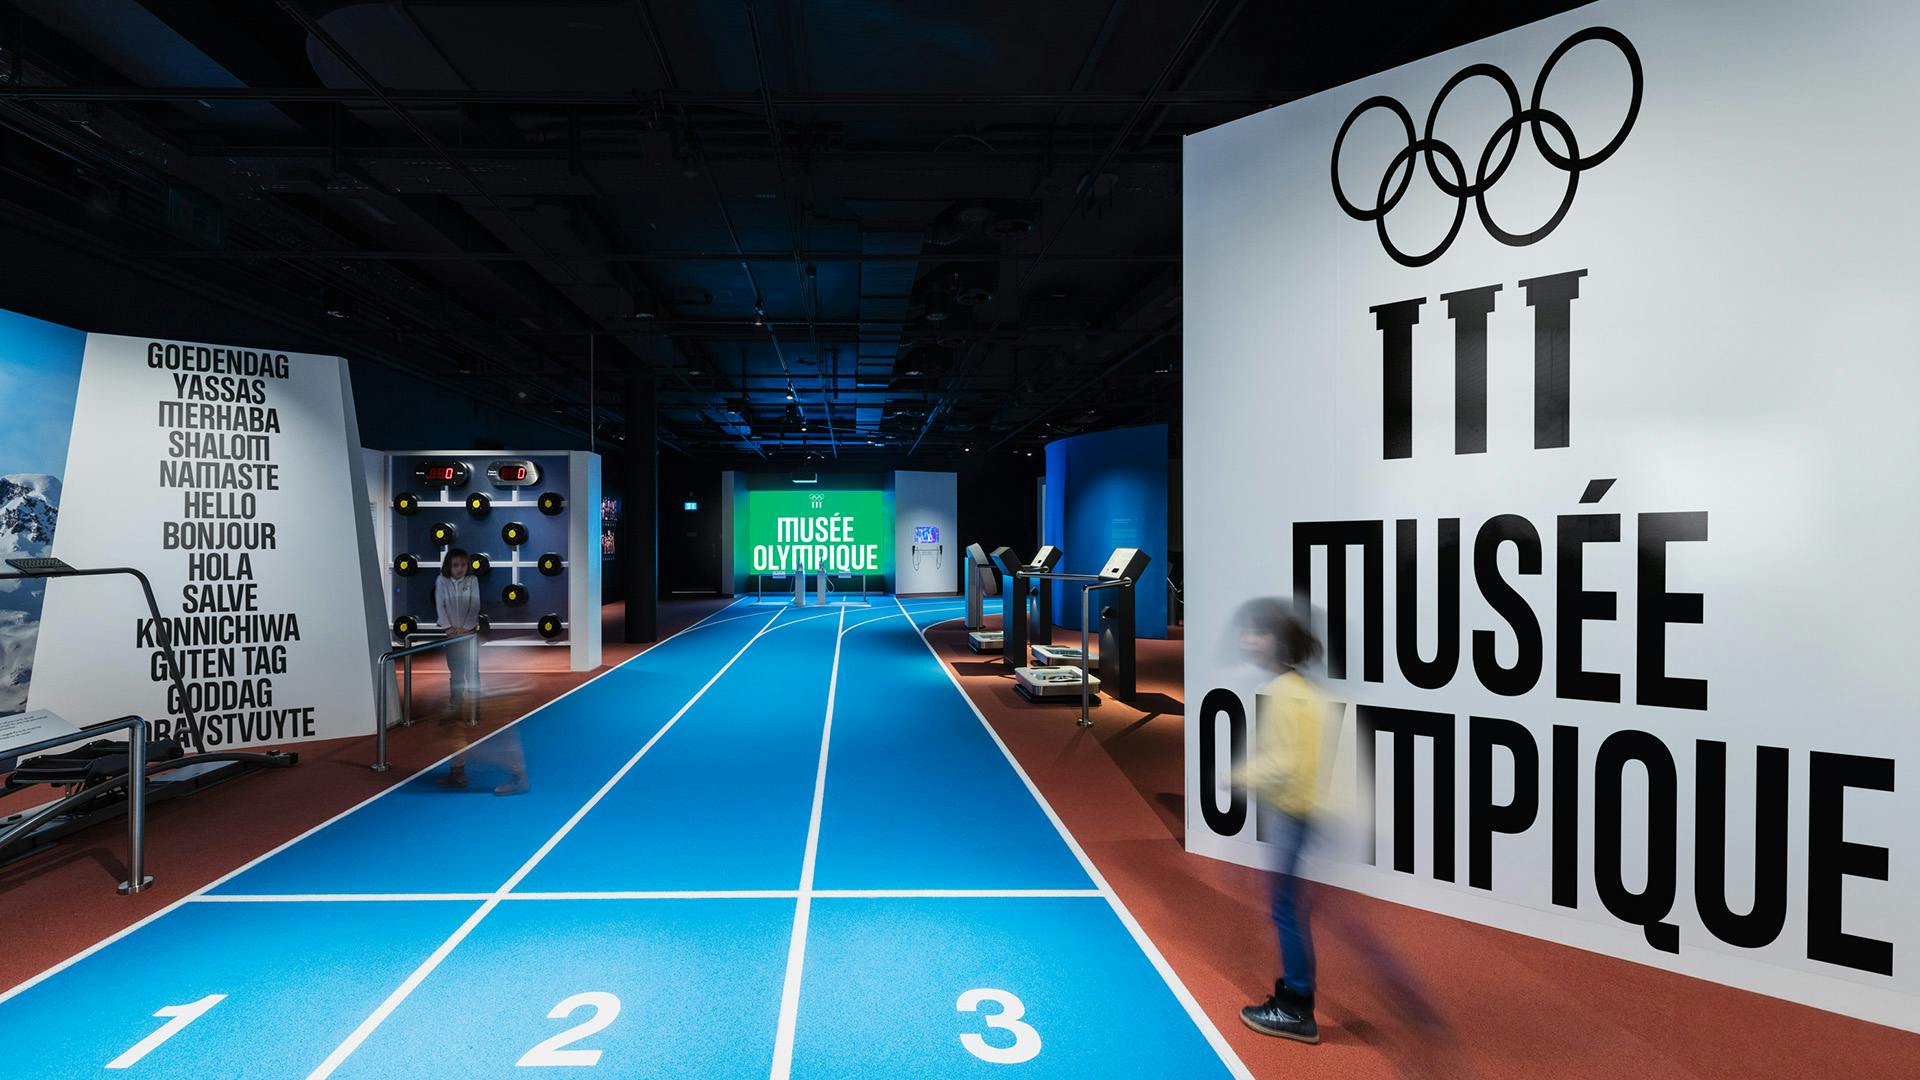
(513, 473)
(442, 472)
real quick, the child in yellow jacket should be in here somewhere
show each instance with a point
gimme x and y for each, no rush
(1282, 772)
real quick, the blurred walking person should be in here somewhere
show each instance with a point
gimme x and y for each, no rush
(1283, 774)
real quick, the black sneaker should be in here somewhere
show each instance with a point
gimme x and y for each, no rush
(1286, 1014)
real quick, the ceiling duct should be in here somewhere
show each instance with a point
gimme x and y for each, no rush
(996, 219)
(924, 361)
(950, 287)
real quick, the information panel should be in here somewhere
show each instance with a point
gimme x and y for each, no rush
(1588, 436)
(842, 532)
(232, 477)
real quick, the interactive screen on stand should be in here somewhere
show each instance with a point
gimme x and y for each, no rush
(841, 532)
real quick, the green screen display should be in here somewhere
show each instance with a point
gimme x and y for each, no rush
(836, 531)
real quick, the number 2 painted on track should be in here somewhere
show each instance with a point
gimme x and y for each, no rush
(181, 1016)
(1026, 1041)
(605, 1008)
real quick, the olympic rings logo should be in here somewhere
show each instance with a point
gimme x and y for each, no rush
(1487, 173)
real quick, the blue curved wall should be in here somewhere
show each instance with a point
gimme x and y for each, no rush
(1105, 490)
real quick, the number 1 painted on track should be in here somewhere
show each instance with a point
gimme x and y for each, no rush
(182, 1015)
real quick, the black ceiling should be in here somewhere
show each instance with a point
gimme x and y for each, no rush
(840, 227)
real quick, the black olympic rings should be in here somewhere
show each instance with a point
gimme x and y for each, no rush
(1487, 172)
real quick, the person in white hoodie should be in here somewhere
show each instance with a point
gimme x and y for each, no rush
(456, 600)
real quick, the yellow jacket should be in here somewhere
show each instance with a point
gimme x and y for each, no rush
(1283, 768)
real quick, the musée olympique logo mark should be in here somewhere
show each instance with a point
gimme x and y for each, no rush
(1487, 173)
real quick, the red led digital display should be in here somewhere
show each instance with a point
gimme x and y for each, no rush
(513, 472)
(439, 472)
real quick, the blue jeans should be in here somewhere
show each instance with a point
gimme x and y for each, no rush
(1291, 904)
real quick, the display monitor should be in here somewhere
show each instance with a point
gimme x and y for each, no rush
(838, 531)
(926, 534)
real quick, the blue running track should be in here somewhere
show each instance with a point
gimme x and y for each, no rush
(781, 843)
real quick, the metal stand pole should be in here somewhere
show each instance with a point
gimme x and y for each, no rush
(137, 879)
(385, 682)
(380, 720)
(1086, 661)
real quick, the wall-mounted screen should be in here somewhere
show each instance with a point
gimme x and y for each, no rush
(926, 534)
(838, 531)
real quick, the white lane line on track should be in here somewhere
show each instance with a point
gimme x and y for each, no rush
(802, 907)
(203, 890)
(957, 894)
(1199, 1016)
(426, 968)
(810, 618)
(333, 898)
(884, 618)
(664, 894)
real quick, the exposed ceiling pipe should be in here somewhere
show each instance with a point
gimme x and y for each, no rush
(1113, 148)
(674, 98)
(652, 256)
(726, 216)
(1124, 359)
(800, 270)
(420, 131)
(1200, 61)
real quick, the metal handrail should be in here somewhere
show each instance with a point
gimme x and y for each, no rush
(162, 633)
(861, 574)
(380, 677)
(137, 735)
(1086, 657)
(1098, 582)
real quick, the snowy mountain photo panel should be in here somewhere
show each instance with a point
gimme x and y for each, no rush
(39, 381)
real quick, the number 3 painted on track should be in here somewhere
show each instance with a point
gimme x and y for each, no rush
(605, 1008)
(1026, 1041)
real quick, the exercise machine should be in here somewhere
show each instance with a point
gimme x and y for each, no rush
(982, 582)
(1061, 681)
(107, 777)
(1027, 615)
(96, 777)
